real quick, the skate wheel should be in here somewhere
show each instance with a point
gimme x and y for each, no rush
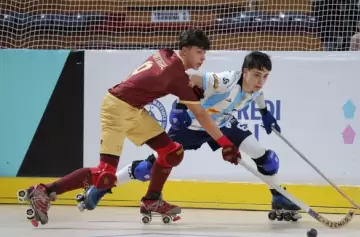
(296, 217)
(35, 223)
(81, 206)
(272, 215)
(166, 219)
(287, 216)
(146, 219)
(176, 218)
(30, 213)
(280, 217)
(80, 197)
(21, 195)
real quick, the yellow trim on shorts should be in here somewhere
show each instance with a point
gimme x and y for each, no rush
(189, 102)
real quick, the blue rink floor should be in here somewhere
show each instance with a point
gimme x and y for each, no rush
(67, 221)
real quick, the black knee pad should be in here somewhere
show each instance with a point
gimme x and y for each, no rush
(259, 162)
(151, 158)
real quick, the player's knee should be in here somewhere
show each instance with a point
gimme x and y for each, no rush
(142, 170)
(103, 176)
(171, 156)
(268, 164)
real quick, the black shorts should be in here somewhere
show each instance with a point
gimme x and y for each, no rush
(192, 140)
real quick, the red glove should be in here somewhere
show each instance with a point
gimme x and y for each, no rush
(230, 152)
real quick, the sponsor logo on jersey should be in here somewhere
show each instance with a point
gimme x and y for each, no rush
(216, 81)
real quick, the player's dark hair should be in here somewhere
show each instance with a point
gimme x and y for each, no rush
(257, 60)
(194, 37)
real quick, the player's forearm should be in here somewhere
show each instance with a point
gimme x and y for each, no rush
(196, 80)
(260, 101)
(209, 125)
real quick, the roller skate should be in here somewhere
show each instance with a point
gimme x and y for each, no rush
(158, 207)
(89, 199)
(39, 202)
(283, 208)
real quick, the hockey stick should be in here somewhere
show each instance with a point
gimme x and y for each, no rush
(316, 169)
(331, 224)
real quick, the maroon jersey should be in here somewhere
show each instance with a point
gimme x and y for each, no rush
(162, 73)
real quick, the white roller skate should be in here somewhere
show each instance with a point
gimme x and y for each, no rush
(149, 208)
(283, 208)
(39, 202)
(89, 199)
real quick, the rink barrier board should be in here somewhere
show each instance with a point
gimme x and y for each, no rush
(197, 194)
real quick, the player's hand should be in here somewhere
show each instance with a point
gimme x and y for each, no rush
(269, 121)
(179, 117)
(230, 152)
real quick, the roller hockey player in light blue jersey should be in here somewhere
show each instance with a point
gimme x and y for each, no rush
(223, 93)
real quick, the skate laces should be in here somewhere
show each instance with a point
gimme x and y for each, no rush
(40, 199)
(157, 204)
(162, 203)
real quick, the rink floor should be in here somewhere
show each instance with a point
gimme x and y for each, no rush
(67, 221)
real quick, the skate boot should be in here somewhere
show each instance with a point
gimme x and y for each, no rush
(90, 198)
(156, 206)
(39, 201)
(283, 208)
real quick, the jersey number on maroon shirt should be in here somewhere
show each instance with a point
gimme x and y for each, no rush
(145, 66)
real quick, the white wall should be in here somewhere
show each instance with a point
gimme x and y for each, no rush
(311, 88)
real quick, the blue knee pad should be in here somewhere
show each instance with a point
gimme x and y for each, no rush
(269, 163)
(142, 171)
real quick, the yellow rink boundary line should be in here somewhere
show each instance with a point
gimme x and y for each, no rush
(197, 194)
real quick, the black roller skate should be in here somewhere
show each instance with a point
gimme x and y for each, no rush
(89, 199)
(39, 200)
(158, 207)
(283, 208)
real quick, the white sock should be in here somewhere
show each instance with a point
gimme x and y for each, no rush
(252, 148)
(123, 175)
(273, 179)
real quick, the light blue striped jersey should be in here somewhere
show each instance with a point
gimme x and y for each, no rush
(223, 95)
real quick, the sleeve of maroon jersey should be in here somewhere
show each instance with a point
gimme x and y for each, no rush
(181, 87)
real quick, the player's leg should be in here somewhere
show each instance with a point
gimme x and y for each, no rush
(267, 161)
(169, 155)
(126, 120)
(102, 176)
(141, 169)
(138, 169)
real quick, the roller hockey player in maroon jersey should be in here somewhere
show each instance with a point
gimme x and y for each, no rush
(123, 115)
(223, 92)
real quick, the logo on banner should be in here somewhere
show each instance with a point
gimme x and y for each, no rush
(249, 117)
(157, 110)
(349, 113)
